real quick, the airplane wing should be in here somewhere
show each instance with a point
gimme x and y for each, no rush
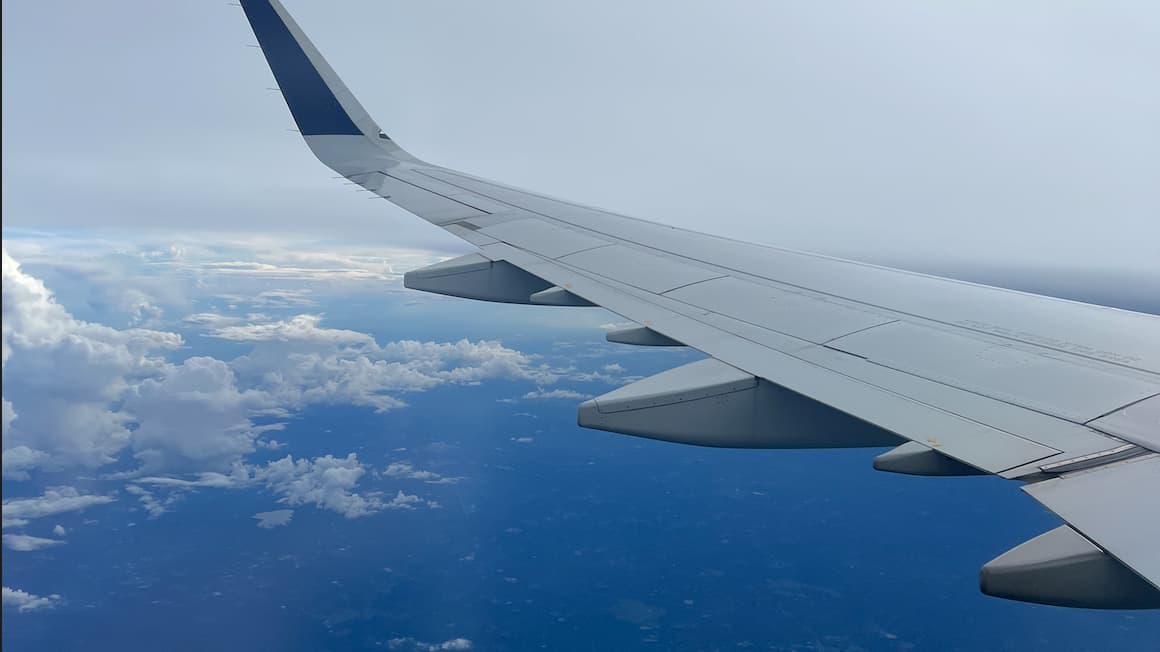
(808, 351)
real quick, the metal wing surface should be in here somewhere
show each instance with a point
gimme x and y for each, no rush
(808, 351)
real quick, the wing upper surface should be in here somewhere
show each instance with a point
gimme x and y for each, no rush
(1011, 383)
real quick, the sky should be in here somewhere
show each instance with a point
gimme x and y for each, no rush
(914, 133)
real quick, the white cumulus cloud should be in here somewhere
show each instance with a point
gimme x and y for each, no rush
(28, 543)
(553, 394)
(54, 500)
(193, 417)
(273, 519)
(409, 501)
(19, 459)
(62, 375)
(407, 471)
(325, 482)
(24, 601)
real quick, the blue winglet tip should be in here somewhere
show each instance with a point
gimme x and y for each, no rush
(313, 104)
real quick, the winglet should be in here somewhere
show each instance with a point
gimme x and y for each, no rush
(322, 106)
(320, 102)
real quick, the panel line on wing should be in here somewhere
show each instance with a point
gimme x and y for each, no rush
(1030, 341)
(1123, 407)
(459, 199)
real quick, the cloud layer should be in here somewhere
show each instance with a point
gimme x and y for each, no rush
(81, 394)
(158, 424)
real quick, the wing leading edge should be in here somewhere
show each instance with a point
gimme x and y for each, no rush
(807, 351)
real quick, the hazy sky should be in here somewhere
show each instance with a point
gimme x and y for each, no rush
(990, 131)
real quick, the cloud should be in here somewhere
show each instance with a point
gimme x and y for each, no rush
(18, 459)
(283, 299)
(28, 543)
(613, 374)
(547, 395)
(325, 482)
(281, 260)
(61, 377)
(276, 518)
(409, 501)
(137, 281)
(237, 477)
(59, 530)
(289, 272)
(115, 287)
(408, 472)
(9, 416)
(302, 328)
(78, 393)
(215, 320)
(193, 416)
(153, 506)
(299, 362)
(24, 601)
(140, 307)
(409, 644)
(55, 500)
